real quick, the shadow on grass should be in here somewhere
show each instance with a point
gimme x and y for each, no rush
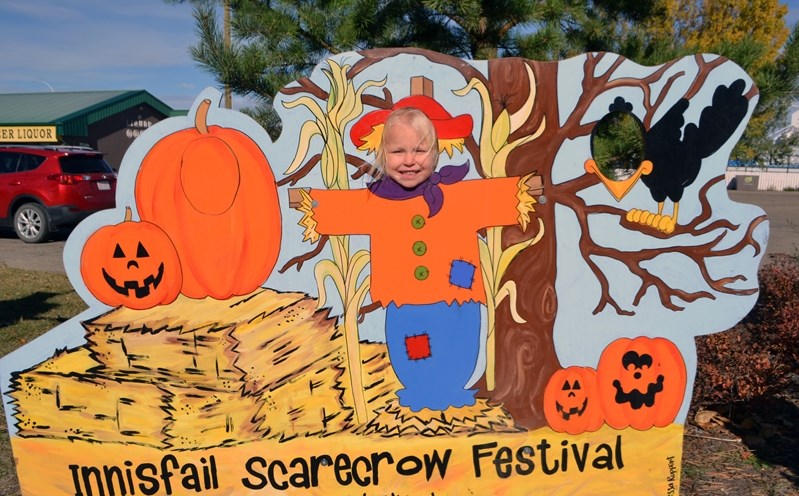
(773, 437)
(29, 307)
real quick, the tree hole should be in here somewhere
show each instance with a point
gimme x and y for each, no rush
(617, 145)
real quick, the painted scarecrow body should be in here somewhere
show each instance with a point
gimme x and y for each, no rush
(425, 272)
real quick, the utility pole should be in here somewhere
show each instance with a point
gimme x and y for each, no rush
(226, 7)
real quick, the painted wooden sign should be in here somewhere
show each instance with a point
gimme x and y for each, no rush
(508, 308)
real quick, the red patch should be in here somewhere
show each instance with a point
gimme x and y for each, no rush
(418, 347)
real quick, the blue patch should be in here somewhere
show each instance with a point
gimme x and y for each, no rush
(461, 274)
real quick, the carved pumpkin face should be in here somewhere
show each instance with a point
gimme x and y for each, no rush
(212, 190)
(642, 382)
(133, 264)
(571, 403)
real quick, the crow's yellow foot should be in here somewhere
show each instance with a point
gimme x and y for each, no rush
(662, 223)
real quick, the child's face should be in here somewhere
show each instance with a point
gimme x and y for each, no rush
(409, 160)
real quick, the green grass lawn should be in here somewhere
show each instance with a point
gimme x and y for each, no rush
(31, 303)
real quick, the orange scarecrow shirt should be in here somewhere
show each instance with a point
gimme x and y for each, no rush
(418, 259)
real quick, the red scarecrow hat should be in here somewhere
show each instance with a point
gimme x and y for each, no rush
(447, 127)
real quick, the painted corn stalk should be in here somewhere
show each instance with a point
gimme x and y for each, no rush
(345, 269)
(494, 258)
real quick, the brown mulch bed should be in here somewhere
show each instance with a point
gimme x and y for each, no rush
(744, 449)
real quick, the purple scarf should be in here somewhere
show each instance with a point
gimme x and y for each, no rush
(389, 189)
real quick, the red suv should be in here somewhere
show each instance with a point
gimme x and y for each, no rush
(43, 188)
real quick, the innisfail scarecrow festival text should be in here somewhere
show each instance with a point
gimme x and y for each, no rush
(489, 459)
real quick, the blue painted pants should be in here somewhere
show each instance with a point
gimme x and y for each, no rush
(433, 349)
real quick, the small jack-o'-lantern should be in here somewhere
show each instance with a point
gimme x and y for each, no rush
(133, 264)
(641, 382)
(213, 191)
(571, 403)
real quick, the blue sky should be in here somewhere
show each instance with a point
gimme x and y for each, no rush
(79, 45)
(793, 11)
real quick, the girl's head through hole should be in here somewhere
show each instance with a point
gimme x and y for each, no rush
(408, 151)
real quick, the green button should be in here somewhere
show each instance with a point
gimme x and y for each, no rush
(419, 248)
(421, 273)
(417, 222)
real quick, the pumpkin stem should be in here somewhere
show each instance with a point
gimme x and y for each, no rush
(128, 214)
(201, 117)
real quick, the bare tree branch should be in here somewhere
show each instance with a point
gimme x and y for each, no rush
(301, 172)
(301, 259)
(305, 85)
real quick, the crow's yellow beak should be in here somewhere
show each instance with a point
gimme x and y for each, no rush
(618, 188)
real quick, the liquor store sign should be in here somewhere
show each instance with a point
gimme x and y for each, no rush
(28, 134)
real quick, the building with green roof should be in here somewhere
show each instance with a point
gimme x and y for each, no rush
(107, 121)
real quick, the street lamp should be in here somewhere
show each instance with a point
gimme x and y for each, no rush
(46, 84)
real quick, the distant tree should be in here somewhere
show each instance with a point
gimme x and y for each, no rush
(279, 41)
(617, 145)
(782, 148)
(225, 36)
(754, 35)
(735, 21)
(778, 81)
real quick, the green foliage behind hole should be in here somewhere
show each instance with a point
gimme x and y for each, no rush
(617, 145)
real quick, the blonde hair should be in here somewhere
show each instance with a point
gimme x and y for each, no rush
(419, 121)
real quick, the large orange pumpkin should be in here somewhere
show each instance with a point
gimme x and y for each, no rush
(641, 382)
(571, 401)
(133, 264)
(212, 190)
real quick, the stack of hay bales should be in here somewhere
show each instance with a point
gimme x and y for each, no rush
(202, 373)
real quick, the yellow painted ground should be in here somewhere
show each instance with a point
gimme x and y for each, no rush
(366, 465)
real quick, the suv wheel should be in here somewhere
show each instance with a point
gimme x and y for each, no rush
(31, 224)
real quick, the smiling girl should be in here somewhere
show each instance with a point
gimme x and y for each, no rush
(425, 264)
